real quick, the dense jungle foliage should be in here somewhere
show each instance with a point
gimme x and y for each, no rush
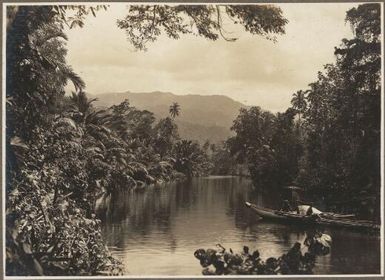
(220, 261)
(329, 140)
(63, 154)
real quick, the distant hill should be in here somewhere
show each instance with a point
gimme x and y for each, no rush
(202, 117)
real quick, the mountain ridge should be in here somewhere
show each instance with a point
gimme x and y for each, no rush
(202, 117)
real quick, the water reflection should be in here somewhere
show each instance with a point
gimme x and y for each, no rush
(155, 232)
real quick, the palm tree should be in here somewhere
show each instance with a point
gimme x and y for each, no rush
(299, 103)
(82, 103)
(174, 110)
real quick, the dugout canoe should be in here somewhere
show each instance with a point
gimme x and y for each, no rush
(327, 219)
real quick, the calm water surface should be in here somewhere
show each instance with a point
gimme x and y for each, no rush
(156, 232)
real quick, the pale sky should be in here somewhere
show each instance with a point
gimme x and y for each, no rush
(251, 70)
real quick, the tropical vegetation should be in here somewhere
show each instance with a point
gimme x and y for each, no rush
(63, 154)
(328, 141)
(220, 261)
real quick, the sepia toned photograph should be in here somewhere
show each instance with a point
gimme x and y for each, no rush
(191, 140)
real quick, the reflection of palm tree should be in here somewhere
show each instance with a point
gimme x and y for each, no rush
(174, 110)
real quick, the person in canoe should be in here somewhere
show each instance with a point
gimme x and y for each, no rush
(286, 207)
(293, 202)
(291, 199)
(307, 210)
(301, 209)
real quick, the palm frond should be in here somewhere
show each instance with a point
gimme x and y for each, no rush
(78, 82)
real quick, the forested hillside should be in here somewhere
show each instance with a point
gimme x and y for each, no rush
(202, 117)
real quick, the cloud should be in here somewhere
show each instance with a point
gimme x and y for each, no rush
(252, 69)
